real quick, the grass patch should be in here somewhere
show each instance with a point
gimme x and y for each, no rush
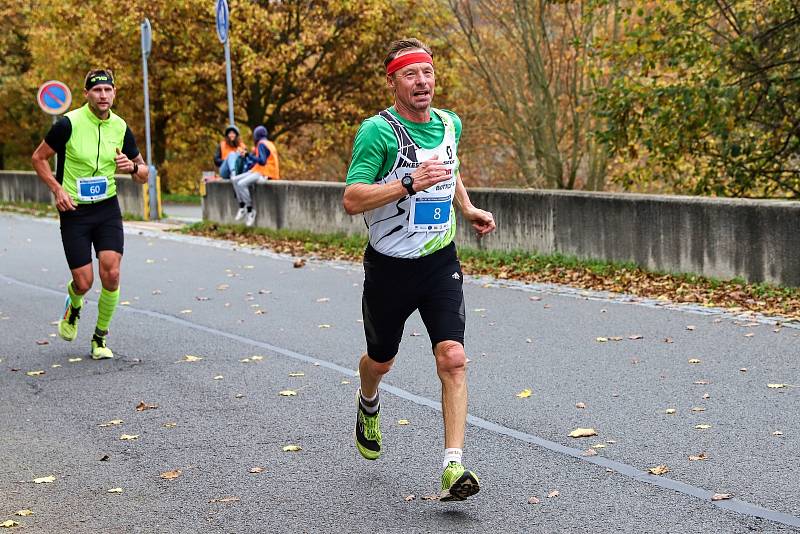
(174, 198)
(615, 277)
(39, 209)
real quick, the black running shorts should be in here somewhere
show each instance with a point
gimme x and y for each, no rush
(395, 287)
(98, 224)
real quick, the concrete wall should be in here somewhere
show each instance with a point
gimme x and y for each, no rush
(25, 186)
(758, 240)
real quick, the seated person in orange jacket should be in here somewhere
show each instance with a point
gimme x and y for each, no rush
(230, 152)
(265, 167)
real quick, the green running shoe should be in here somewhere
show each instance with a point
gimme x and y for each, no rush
(458, 483)
(68, 325)
(99, 349)
(368, 432)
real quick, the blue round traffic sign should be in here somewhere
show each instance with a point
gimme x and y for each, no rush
(54, 97)
(223, 20)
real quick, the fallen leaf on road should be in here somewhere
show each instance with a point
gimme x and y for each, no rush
(256, 469)
(690, 327)
(125, 303)
(44, 480)
(590, 452)
(749, 334)
(743, 370)
(615, 338)
(580, 406)
(553, 494)
(636, 336)
(694, 360)
(698, 409)
(105, 458)
(9, 524)
(324, 326)
(218, 377)
(111, 423)
(115, 490)
(601, 339)
(225, 499)
(403, 422)
(702, 427)
(191, 358)
(186, 312)
(74, 360)
(706, 396)
(670, 411)
(658, 470)
(170, 425)
(721, 496)
(599, 446)
(256, 358)
(299, 263)
(42, 342)
(287, 393)
(54, 366)
(528, 340)
(777, 433)
(702, 382)
(323, 299)
(583, 433)
(259, 312)
(533, 500)
(344, 382)
(771, 386)
(129, 437)
(668, 340)
(142, 406)
(524, 394)
(698, 458)
(415, 334)
(295, 375)
(35, 373)
(201, 299)
(292, 448)
(23, 513)
(170, 475)
(409, 498)
(433, 497)
(222, 287)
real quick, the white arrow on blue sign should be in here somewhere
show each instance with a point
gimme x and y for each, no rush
(223, 20)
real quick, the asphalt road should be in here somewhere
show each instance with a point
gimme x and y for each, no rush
(218, 417)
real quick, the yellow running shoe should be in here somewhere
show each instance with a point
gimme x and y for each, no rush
(458, 483)
(99, 349)
(68, 325)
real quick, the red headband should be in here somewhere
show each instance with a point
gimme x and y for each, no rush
(406, 60)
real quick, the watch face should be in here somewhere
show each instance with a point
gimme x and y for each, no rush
(406, 180)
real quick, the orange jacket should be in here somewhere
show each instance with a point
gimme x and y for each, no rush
(270, 168)
(225, 149)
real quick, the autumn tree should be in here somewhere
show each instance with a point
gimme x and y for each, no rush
(539, 65)
(710, 103)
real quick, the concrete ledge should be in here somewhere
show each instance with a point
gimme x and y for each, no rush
(758, 240)
(25, 186)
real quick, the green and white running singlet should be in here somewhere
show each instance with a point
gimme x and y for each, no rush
(386, 148)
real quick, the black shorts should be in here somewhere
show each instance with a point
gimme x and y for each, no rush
(395, 287)
(98, 224)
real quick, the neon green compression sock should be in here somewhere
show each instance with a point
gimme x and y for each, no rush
(74, 298)
(105, 308)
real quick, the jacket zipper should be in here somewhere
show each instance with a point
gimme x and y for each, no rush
(97, 161)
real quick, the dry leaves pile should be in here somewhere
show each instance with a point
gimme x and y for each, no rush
(665, 287)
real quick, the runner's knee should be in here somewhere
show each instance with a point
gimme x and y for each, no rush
(379, 368)
(110, 277)
(450, 357)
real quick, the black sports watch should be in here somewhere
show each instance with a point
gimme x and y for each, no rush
(408, 182)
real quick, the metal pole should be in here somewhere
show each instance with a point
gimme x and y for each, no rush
(152, 184)
(55, 156)
(228, 80)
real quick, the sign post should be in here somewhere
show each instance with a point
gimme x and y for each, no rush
(54, 98)
(152, 181)
(223, 30)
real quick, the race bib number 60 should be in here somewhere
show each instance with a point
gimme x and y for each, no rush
(94, 188)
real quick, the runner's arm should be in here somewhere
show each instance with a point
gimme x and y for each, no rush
(482, 221)
(41, 164)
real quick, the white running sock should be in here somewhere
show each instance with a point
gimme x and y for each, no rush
(452, 455)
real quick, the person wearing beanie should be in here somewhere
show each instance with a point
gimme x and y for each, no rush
(265, 167)
(230, 153)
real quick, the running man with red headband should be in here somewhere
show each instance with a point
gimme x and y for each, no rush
(93, 144)
(404, 177)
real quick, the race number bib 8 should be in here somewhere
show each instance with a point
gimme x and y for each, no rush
(92, 188)
(429, 213)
